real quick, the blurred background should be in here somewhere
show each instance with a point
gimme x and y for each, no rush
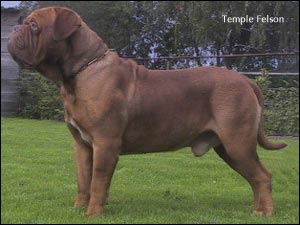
(174, 35)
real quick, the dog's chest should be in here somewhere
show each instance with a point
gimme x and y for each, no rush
(69, 99)
(84, 136)
(79, 130)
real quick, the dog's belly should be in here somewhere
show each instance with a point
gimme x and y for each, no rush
(153, 144)
(166, 129)
(168, 113)
(154, 132)
(200, 143)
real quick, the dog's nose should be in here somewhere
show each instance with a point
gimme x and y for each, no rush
(16, 28)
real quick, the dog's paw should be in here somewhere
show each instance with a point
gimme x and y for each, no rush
(260, 212)
(82, 201)
(94, 211)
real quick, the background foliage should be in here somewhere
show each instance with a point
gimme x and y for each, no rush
(39, 97)
(168, 28)
(192, 28)
(41, 100)
(281, 106)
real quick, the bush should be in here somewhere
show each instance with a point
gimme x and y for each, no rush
(281, 106)
(41, 100)
(40, 97)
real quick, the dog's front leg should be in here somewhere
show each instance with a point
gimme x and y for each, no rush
(84, 163)
(105, 157)
(84, 158)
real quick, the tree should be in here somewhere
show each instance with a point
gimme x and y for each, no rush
(169, 28)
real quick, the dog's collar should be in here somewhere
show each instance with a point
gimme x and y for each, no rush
(72, 76)
(91, 62)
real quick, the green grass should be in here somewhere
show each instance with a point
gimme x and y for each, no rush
(38, 183)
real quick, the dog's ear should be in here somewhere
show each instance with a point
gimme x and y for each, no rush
(66, 23)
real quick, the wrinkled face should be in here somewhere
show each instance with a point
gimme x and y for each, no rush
(24, 43)
(42, 34)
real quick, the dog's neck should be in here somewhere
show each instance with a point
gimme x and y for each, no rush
(69, 57)
(77, 55)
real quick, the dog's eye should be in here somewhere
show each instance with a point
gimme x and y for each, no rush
(34, 27)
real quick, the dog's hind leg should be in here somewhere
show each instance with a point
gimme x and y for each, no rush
(236, 124)
(243, 158)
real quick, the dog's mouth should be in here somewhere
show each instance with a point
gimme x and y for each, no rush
(23, 64)
(19, 50)
(27, 66)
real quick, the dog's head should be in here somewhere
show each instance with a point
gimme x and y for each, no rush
(42, 35)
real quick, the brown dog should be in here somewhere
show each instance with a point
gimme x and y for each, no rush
(113, 106)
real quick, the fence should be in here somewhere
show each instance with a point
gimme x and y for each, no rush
(286, 61)
(9, 68)
(41, 97)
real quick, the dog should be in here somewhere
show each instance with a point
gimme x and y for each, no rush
(115, 107)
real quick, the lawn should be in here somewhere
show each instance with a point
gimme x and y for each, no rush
(38, 183)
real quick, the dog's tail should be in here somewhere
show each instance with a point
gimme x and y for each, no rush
(261, 137)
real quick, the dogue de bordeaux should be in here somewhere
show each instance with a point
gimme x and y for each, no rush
(114, 106)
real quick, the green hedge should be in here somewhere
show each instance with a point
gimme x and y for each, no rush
(40, 97)
(281, 106)
(41, 100)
